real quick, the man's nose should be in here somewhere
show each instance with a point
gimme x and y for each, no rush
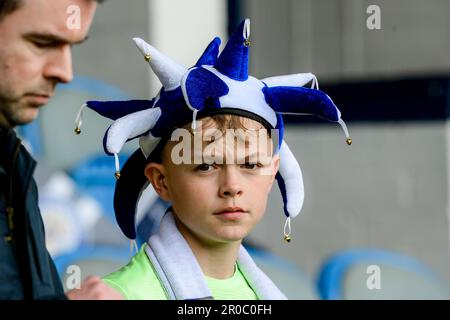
(230, 185)
(59, 65)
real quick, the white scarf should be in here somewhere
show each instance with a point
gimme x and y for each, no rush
(181, 275)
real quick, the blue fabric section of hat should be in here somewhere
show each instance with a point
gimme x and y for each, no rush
(105, 140)
(301, 100)
(233, 61)
(174, 112)
(117, 109)
(209, 56)
(127, 193)
(204, 88)
(280, 131)
(282, 187)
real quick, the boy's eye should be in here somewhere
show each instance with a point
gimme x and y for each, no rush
(205, 167)
(252, 166)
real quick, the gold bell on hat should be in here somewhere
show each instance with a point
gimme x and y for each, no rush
(117, 175)
(349, 141)
(77, 130)
(147, 57)
(287, 238)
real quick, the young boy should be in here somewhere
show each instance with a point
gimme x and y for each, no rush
(206, 147)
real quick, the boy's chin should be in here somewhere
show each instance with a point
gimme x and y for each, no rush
(232, 237)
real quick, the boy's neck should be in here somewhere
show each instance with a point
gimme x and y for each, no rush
(217, 260)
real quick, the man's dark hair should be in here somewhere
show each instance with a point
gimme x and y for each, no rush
(9, 6)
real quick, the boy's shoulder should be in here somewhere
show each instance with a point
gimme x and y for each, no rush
(137, 280)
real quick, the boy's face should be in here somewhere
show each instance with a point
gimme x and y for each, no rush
(222, 193)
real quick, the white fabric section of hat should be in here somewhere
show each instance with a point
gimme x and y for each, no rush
(130, 126)
(168, 71)
(293, 179)
(290, 80)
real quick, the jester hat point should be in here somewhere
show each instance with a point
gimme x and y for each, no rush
(216, 84)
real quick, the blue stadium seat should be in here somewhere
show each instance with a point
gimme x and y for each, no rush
(95, 177)
(371, 274)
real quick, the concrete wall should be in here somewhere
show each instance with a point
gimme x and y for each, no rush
(110, 54)
(331, 38)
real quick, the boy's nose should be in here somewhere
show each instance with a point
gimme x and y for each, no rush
(230, 185)
(231, 191)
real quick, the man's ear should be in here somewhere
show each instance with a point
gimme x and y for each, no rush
(156, 174)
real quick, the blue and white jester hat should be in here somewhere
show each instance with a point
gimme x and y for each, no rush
(216, 84)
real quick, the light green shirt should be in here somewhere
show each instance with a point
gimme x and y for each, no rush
(138, 281)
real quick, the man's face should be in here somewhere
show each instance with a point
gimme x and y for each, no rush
(35, 54)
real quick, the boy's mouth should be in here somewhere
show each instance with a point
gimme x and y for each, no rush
(231, 213)
(230, 209)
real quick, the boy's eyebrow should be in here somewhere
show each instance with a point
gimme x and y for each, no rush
(52, 38)
(246, 158)
(257, 155)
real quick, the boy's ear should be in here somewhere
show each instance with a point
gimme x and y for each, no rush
(156, 174)
(276, 164)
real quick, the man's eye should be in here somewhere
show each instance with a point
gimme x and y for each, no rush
(205, 167)
(46, 44)
(41, 44)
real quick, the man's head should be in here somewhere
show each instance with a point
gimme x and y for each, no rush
(35, 52)
(220, 187)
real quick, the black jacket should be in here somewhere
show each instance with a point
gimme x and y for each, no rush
(26, 269)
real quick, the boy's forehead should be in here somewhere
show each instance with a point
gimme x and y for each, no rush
(225, 138)
(247, 134)
(230, 146)
(228, 121)
(229, 135)
(238, 138)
